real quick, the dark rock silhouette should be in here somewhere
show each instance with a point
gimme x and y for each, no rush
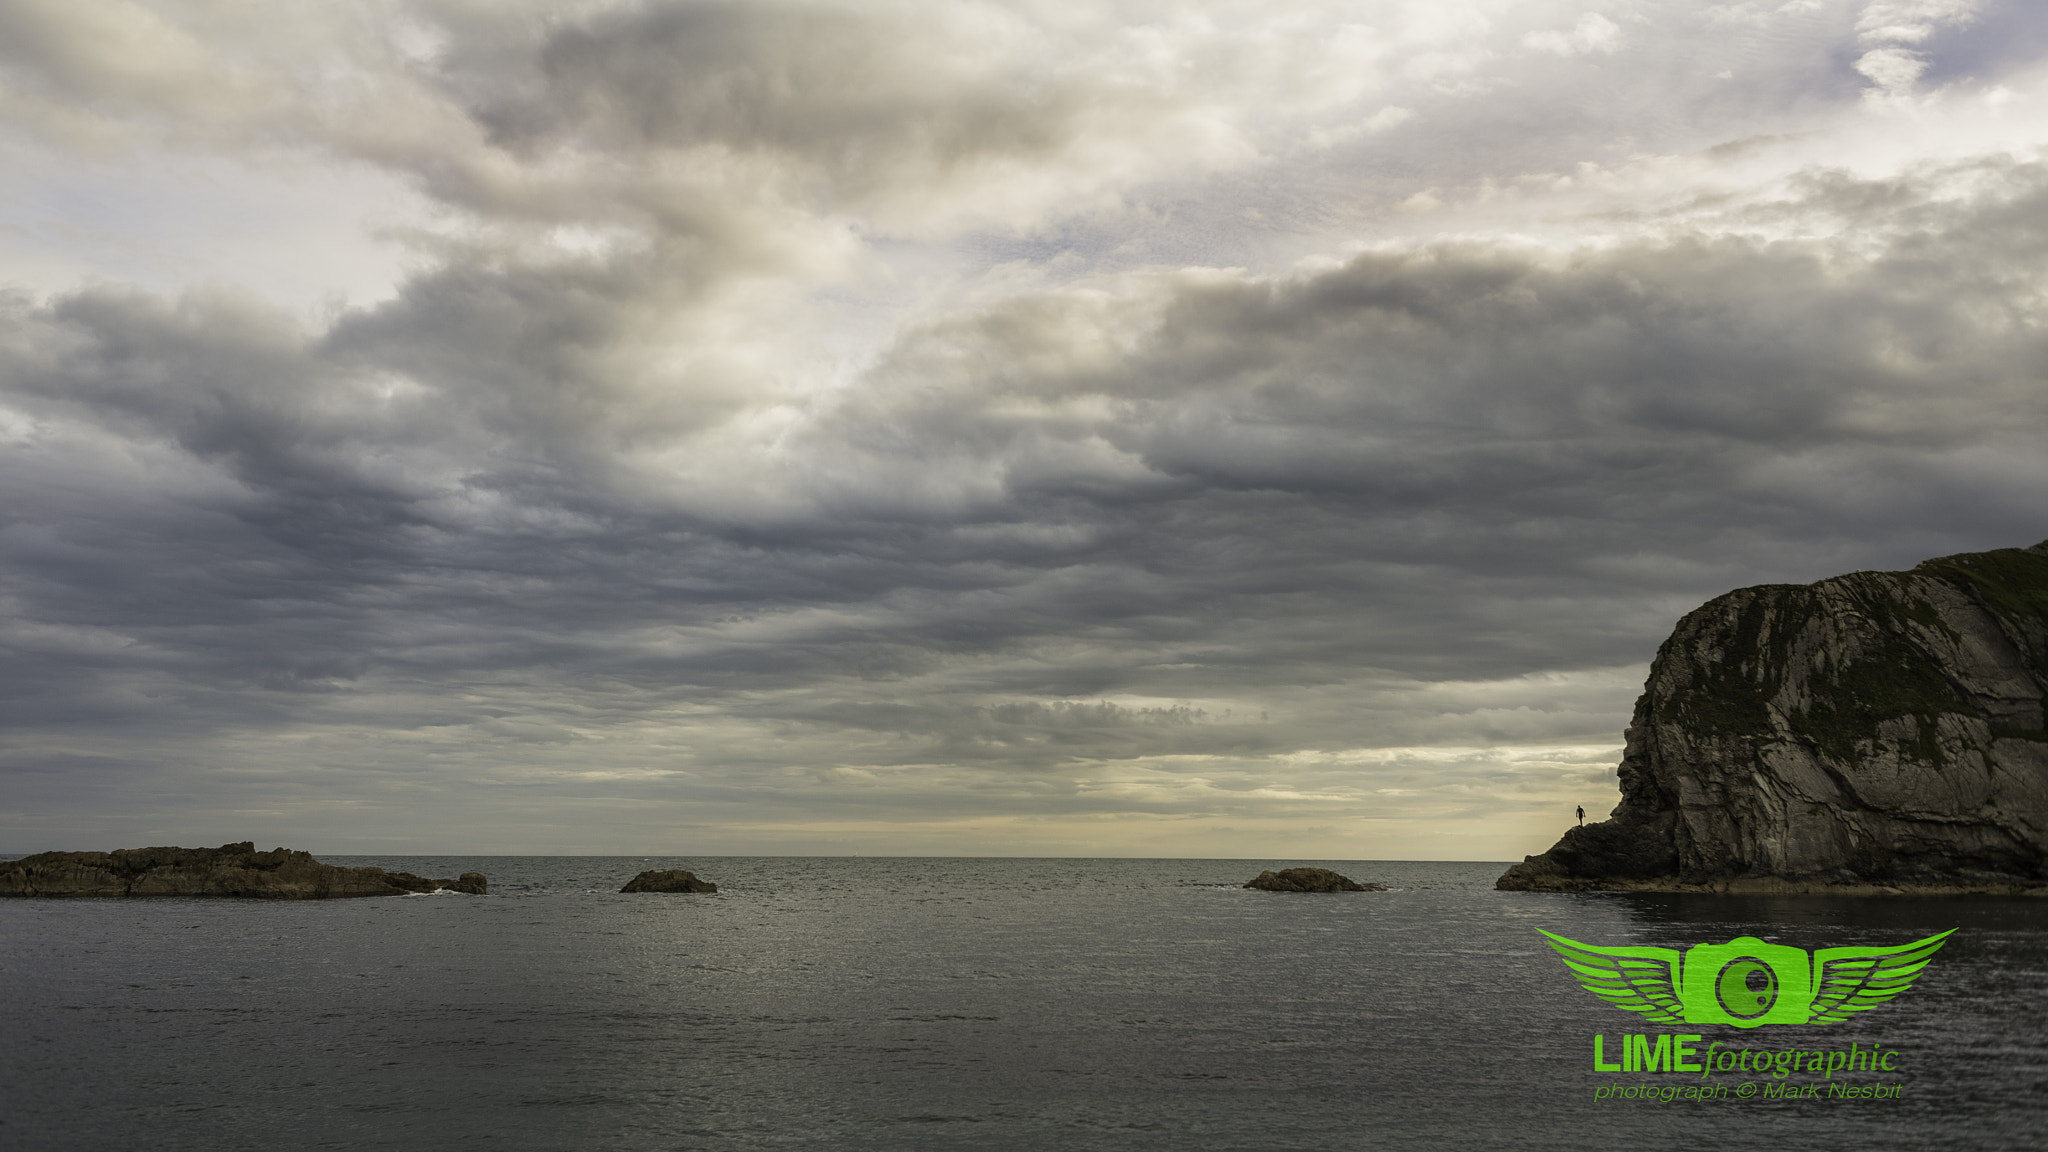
(1309, 880)
(668, 880)
(229, 870)
(1874, 732)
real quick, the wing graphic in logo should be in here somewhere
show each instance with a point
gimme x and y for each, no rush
(1847, 980)
(1641, 980)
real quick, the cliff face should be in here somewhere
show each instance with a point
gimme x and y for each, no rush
(229, 870)
(1879, 729)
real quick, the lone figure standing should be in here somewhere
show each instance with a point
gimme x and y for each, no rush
(1582, 815)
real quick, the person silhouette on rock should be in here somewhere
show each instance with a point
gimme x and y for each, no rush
(1582, 815)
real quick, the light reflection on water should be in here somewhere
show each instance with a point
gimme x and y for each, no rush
(951, 1003)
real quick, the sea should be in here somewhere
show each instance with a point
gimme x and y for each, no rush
(977, 1003)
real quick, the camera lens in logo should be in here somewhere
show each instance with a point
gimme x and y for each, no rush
(1747, 987)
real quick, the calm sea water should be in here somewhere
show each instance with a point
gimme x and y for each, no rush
(848, 1003)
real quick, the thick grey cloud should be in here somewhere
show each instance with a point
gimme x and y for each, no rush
(652, 509)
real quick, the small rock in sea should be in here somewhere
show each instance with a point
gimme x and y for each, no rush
(1309, 880)
(668, 880)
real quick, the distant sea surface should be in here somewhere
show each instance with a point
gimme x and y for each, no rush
(857, 1003)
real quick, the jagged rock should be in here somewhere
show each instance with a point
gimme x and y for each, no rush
(472, 883)
(668, 880)
(229, 870)
(1870, 732)
(1309, 880)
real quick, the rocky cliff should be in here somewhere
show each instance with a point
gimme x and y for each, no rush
(229, 870)
(1880, 731)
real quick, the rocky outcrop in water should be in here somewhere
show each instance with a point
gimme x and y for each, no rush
(668, 880)
(1309, 880)
(1874, 732)
(229, 870)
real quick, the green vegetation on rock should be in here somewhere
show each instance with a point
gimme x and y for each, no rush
(1891, 678)
(1729, 694)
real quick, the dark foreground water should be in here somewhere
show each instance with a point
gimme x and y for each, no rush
(959, 1004)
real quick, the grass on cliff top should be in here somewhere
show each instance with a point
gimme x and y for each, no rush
(2012, 580)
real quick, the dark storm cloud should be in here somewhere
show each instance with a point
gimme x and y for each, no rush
(705, 470)
(1458, 462)
(1478, 409)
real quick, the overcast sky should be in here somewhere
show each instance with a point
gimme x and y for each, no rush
(1033, 428)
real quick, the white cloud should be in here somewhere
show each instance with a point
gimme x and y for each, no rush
(1910, 21)
(1593, 33)
(1387, 118)
(1885, 26)
(1892, 71)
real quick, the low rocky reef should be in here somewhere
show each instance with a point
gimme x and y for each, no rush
(668, 880)
(229, 870)
(1879, 733)
(1309, 880)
